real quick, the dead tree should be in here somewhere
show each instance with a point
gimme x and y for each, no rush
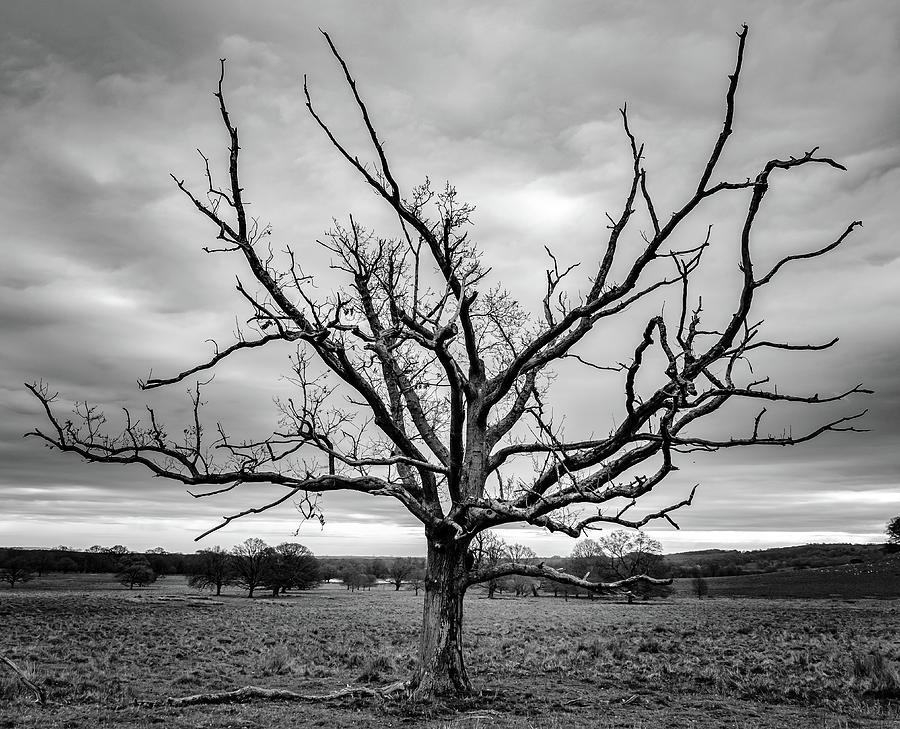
(421, 383)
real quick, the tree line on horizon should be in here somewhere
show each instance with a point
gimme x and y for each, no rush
(251, 564)
(254, 564)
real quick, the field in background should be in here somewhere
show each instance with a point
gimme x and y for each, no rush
(105, 656)
(878, 580)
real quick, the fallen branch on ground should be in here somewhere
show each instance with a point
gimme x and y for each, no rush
(255, 692)
(39, 696)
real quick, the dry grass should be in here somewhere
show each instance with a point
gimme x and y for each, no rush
(103, 655)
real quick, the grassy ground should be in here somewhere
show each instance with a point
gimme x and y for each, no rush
(107, 656)
(879, 579)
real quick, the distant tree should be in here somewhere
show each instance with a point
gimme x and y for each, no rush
(520, 553)
(249, 560)
(893, 531)
(519, 584)
(275, 575)
(304, 565)
(159, 560)
(522, 586)
(620, 556)
(98, 559)
(399, 570)
(354, 581)
(135, 570)
(328, 570)
(108, 559)
(634, 553)
(587, 558)
(41, 561)
(91, 559)
(560, 588)
(290, 565)
(700, 587)
(630, 553)
(215, 569)
(486, 552)
(345, 567)
(15, 571)
(66, 564)
(379, 568)
(416, 580)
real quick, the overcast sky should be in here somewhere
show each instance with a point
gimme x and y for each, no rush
(103, 277)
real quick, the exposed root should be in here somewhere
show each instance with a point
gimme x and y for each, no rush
(39, 696)
(248, 693)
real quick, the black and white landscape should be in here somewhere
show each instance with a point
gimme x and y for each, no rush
(540, 301)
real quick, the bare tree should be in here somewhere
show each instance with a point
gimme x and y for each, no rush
(214, 571)
(629, 554)
(355, 580)
(587, 558)
(290, 565)
(421, 383)
(520, 584)
(16, 571)
(416, 580)
(399, 570)
(487, 552)
(249, 562)
(700, 586)
(626, 554)
(520, 553)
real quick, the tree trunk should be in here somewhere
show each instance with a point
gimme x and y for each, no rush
(441, 667)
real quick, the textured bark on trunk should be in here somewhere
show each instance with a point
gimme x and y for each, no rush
(441, 668)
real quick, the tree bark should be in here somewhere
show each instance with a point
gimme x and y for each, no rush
(441, 668)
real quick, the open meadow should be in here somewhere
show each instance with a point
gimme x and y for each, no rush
(108, 657)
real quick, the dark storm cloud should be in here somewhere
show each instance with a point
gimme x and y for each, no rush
(516, 103)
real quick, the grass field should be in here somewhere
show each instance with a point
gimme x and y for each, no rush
(879, 579)
(106, 656)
